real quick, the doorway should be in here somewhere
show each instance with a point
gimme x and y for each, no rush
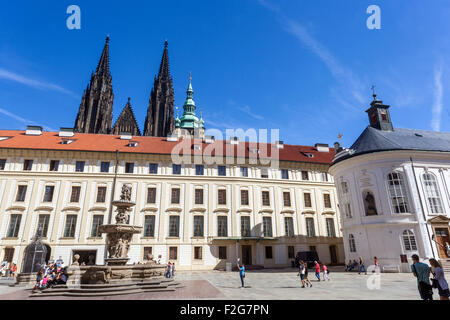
(247, 255)
(333, 255)
(442, 237)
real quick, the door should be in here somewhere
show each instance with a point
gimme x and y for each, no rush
(247, 255)
(442, 237)
(333, 255)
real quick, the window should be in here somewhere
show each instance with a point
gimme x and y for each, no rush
(54, 165)
(149, 226)
(71, 223)
(14, 226)
(198, 196)
(97, 221)
(48, 196)
(9, 255)
(176, 169)
(101, 194)
(289, 226)
(147, 253)
(42, 227)
(198, 226)
(21, 193)
(287, 199)
(222, 252)
(307, 199)
(222, 196)
(265, 173)
(222, 171)
(79, 166)
(266, 198)
(244, 198)
(27, 165)
(351, 243)
(409, 240)
(267, 227)
(129, 167)
(153, 169)
(305, 175)
(397, 193)
(330, 227)
(432, 193)
(173, 253)
(291, 252)
(346, 208)
(2, 164)
(75, 195)
(245, 227)
(199, 170)
(244, 172)
(269, 253)
(175, 196)
(324, 176)
(174, 226)
(222, 226)
(310, 231)
(104, 167)
(198, 253)
(151, 195)
(326, 200)
(284, 174)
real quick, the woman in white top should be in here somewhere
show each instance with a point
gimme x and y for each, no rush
(439, 276)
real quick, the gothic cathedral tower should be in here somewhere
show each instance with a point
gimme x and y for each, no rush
(159, 121)
(96, 109)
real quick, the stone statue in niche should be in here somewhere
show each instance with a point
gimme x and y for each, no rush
(126, 193)
(371, 209)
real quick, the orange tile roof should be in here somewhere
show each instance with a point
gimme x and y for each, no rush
(156, 145)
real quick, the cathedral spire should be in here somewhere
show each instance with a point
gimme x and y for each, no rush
(103, 65)
(126, 122)
(159, 121)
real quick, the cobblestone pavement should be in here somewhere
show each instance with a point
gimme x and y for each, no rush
(272, 285)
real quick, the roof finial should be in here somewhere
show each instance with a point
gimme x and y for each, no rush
(373, 91)
(165, 43)
(190, 76)
(129, 99)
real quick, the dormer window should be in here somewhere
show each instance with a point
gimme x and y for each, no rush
(67, 141)
(197, 147)
(253, 150)
(133, 144)
(4, 138)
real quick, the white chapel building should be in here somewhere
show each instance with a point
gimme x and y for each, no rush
(393, 188)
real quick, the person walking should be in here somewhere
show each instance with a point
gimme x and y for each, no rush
(307, 282)
(439, 280)
(325, 272)
(317, 267)
(422, 271)
(168, 269)
(301, 272)
(173, 270)
(241, 269)
(13, 270)
(362, 267)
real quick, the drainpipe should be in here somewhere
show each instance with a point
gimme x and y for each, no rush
(421, 206)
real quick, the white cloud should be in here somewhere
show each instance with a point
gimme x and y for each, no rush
(23, 120)
(33, 83)
(248, 111)
(345, 77)
(438, 95)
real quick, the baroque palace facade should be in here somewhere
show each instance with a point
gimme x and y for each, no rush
(200, 216)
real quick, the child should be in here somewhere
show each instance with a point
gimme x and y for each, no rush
(325, 272)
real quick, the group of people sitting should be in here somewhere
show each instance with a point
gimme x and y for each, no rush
(8, 269)
(50, 275)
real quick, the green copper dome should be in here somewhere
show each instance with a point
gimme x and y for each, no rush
(189, 120)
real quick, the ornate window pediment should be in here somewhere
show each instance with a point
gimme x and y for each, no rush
(221, 210)
(174, 209)
(46, 208)
(266, 211)
(288, 211)
(149, 209)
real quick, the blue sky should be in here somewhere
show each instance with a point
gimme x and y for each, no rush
(305, 67)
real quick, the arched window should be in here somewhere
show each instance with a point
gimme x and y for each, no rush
(432, 193)
(351, 243)
(409, 240)
(397, 192)
(346, 207)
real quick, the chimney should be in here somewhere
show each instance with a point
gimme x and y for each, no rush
(33, 131)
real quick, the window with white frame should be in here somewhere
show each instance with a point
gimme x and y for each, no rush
(432, 193)
(310, 230)
(397, 192)
(331, 231)
(267, 227)
(351, 243)
(409, 240)
(346, 207)
(289, 226)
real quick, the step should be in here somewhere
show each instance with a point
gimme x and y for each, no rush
(89, 293)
